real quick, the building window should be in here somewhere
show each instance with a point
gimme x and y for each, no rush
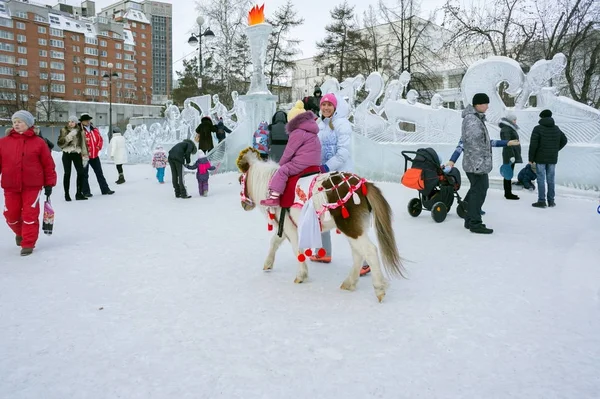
(57, 43)
(118, 66)
(8, 23)
(119, 56)
(39, 18)
(22, 61)
(43, 64)
(143, 35)
(91, 71)
(91, 61)
(20, 25)
(57, 88)
(57, 76)
(143, 53)
(21, 14)
(9, 59)
(91, 51)
(91, 40)
(143, 71)
(21, 38)
(104, 63)
(6, 35)
(42, 42)
(6, 71)
(42, 29)
(76, 49)
(54, 19)
(56, 32)
(23, 74)
(103, 54)
(57, 65)
(43, 53)
(103, 43)
(143, 44)
(57, 54)
(118, 46)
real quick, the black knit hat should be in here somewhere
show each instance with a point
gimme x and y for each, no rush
(317, 90)
(480, 98)
(546, 114)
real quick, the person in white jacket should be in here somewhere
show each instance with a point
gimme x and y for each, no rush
(335, 134)
(118, 152)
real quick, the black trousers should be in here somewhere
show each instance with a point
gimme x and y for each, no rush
(69, 159)
(97, 166)
(120, 169)
(177, 177)
(476, 197)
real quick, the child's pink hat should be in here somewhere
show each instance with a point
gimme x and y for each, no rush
(329, 97)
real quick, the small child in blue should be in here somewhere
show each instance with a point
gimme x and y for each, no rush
(202, 165)
(526, 177)
(159, 161)
(261, 140)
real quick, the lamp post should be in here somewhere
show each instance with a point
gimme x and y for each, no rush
(197, 39)
(108, 77)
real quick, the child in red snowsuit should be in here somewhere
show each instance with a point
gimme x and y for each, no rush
(26, 166)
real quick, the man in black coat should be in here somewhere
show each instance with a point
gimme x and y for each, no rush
(546, 141)
(313, 103)
(178, 155)
(279, 136)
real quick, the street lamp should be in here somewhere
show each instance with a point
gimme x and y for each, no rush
(196, 39)
(108, 77)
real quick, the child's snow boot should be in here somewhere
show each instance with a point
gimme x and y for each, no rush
(273, 200)
(26, 251)
(121, 179)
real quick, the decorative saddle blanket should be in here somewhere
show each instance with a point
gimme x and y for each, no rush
(298, 188)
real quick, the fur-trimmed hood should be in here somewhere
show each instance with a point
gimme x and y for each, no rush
(35, 130)
(304, 121)
(509, 123)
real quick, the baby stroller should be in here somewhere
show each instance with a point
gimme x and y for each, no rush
(437, 189)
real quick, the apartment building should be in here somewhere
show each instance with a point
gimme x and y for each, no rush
(63, 52)
(160, 17)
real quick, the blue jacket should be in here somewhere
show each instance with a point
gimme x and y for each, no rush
(527, 174)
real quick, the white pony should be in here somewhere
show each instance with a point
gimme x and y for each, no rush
(347, 201)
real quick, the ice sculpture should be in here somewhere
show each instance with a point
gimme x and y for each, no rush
(190, 119)
(539, 75)
(218, 110)
(366, 117)
(238, 110)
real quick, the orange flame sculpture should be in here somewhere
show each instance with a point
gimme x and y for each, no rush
(256, 15)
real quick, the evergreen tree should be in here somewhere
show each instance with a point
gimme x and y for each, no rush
(338, 51)
(241, 61)
(188, 82)
(282, 50)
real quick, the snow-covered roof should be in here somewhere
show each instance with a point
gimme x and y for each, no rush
(72, 25)
(128, 37)
(135, 15)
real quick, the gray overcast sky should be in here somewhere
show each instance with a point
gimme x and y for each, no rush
(314, 12)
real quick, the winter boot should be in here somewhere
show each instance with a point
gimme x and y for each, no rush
(185, 195)
(273, 199)
(365, 270)
(26, 251)
(551, 204)
(67, 197)
(108, 192)
(121, 179)
(508, 191)
(481, 229)
(18, 240)
(539, 204)
(80, 197)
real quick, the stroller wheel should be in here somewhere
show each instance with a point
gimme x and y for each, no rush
(439, 212)
(415, 207)
(461, 209)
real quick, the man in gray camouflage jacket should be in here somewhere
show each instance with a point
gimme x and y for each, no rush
(477, 161)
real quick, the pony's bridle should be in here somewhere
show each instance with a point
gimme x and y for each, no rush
(245, 199)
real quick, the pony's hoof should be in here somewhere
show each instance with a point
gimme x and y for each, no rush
(380, 297)
(298, 280)
(348, 286)
(268, 267)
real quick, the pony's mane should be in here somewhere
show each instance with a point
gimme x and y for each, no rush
(259, 175)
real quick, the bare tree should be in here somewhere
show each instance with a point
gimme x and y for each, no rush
(499, 27)
(227, 19)
(414, 44)
(572, 28)
(47, 104)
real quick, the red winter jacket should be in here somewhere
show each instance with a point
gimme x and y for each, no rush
(94, 141)
(25, 162)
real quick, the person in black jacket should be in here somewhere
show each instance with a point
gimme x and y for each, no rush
(546, 141)
(204, 134)
(221, 130)
(279, 136)
(178, 156)
(510, 155)
(313, 103)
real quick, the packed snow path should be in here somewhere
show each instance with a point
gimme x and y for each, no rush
(141, 295)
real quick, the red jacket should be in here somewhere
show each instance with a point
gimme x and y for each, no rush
(25, 162)
(94, 141)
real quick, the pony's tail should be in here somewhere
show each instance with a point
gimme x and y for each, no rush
(382, 213)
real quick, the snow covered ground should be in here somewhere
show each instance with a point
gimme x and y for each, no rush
(141, 295)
